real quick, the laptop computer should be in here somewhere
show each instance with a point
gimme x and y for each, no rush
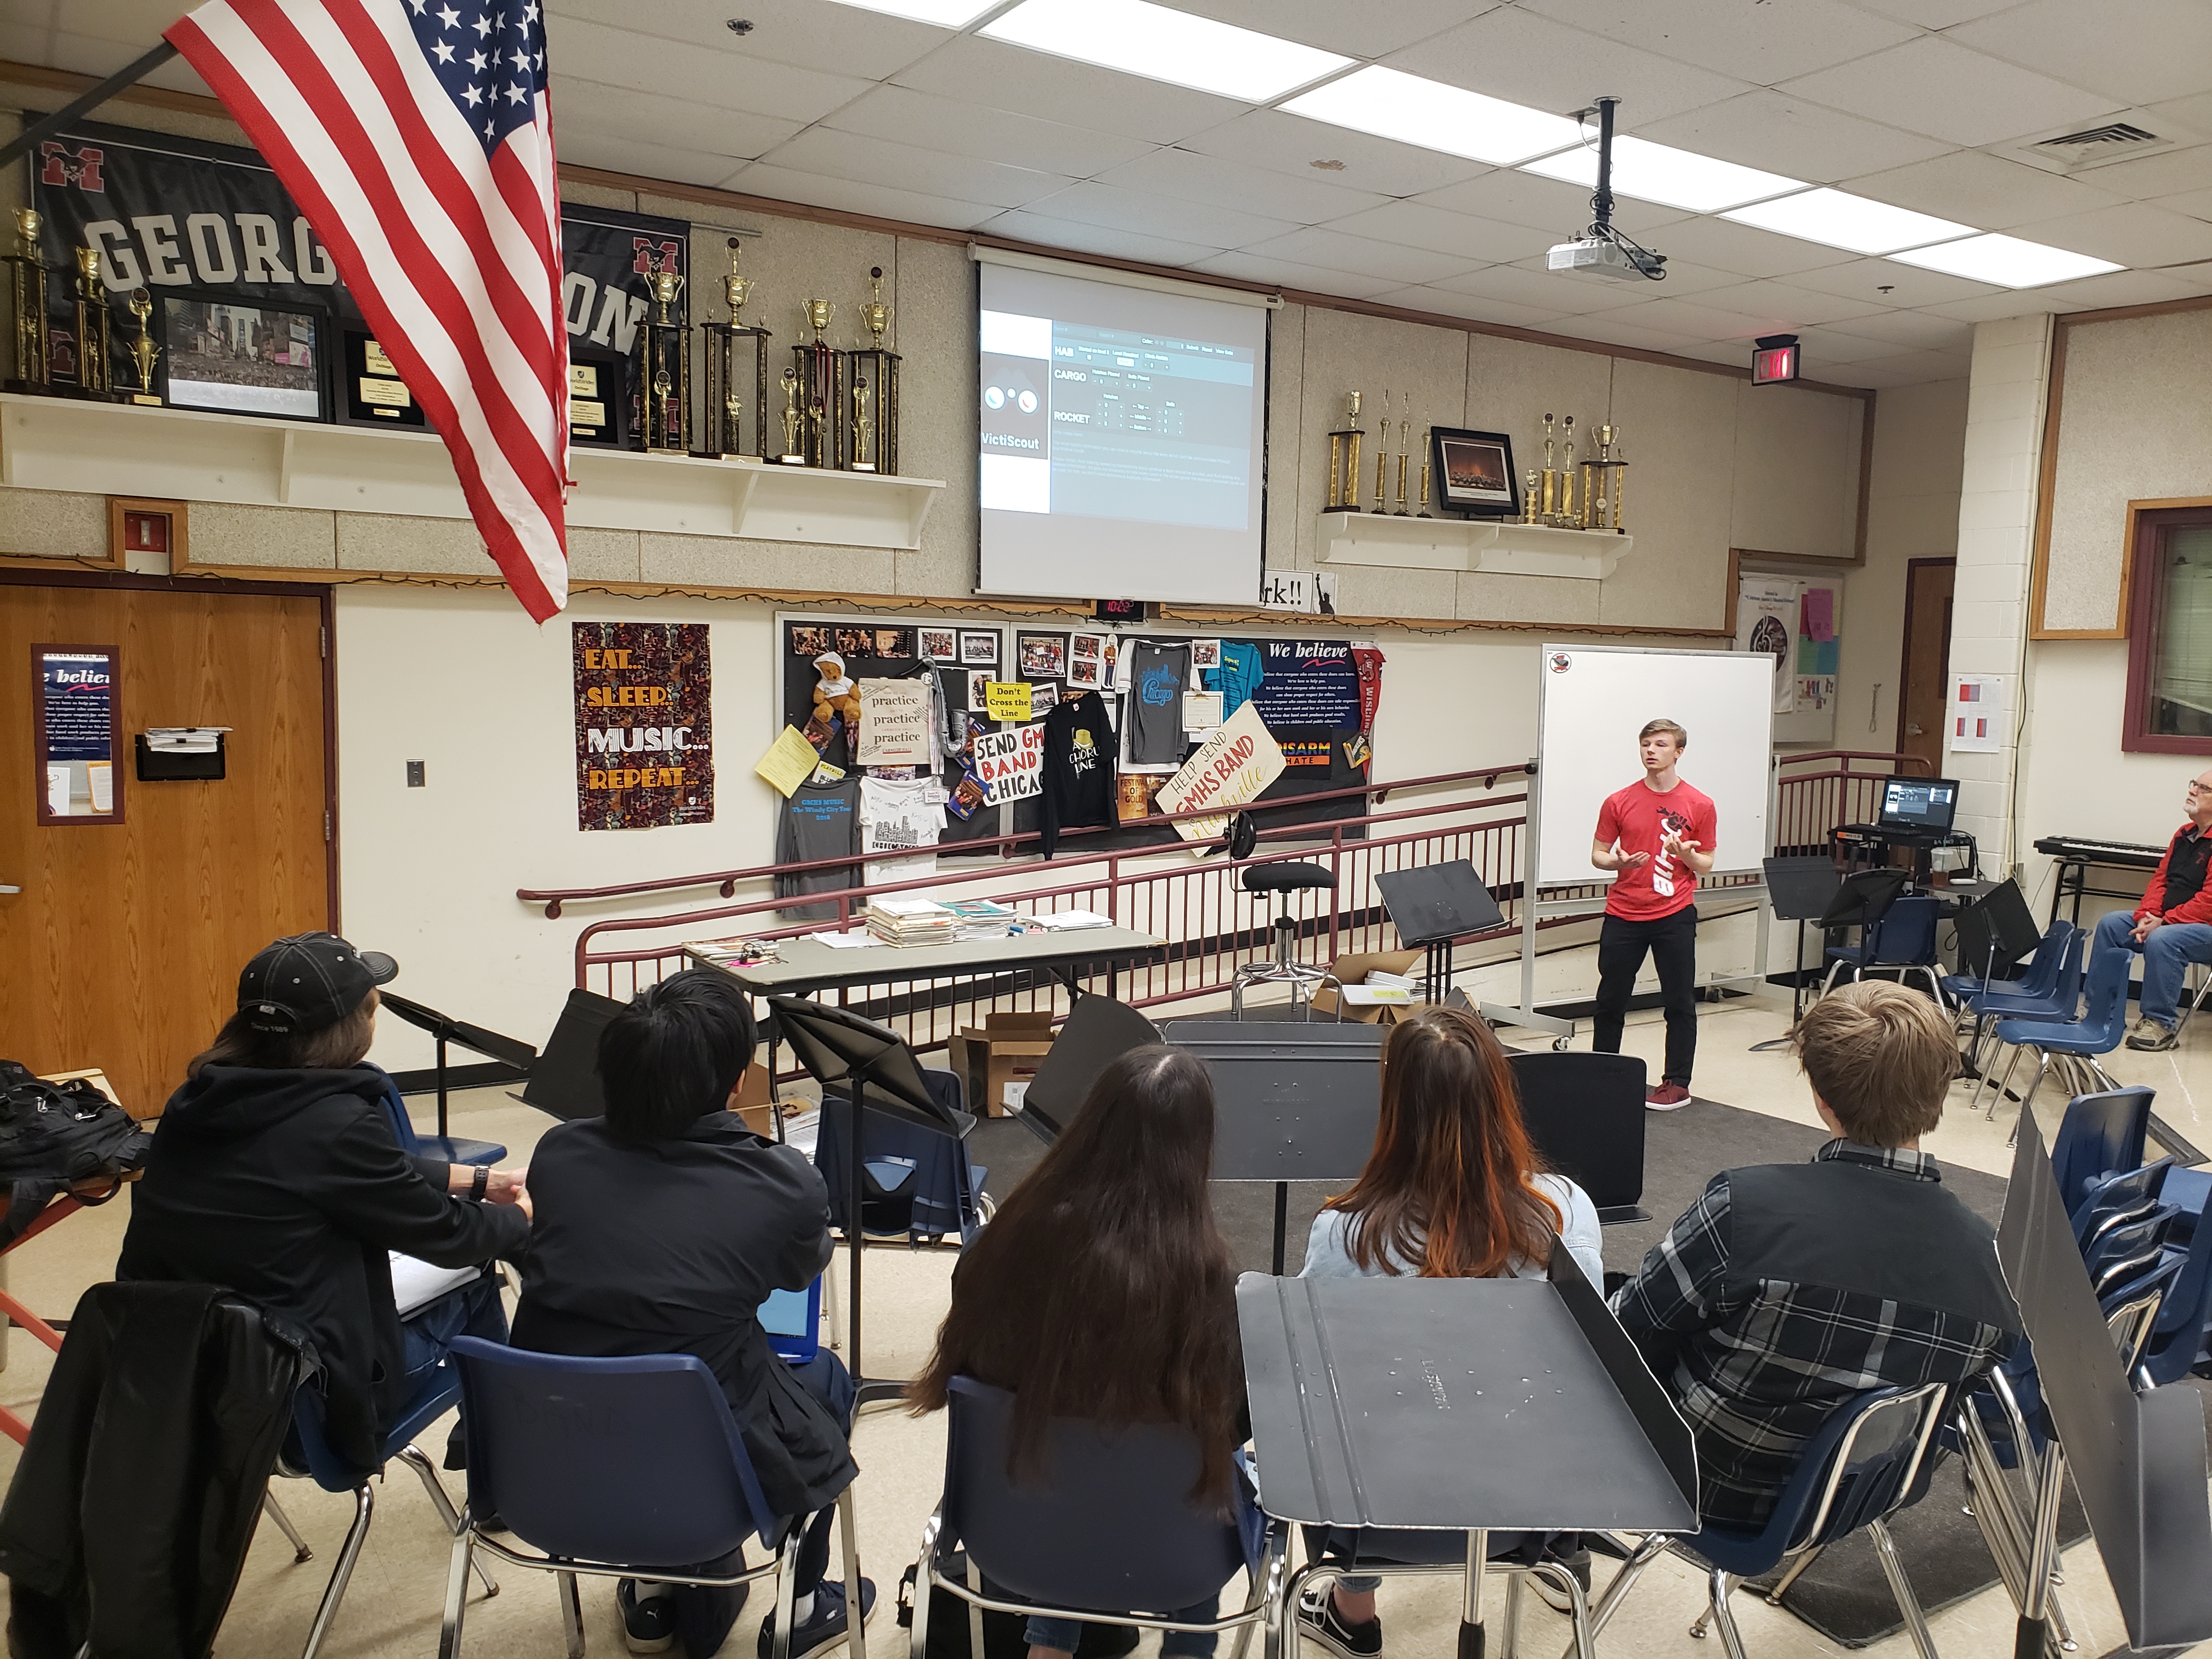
(1918, 806)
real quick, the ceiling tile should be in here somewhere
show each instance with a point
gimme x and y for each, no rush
(2132, 233)
(835, 40)
(2132, 52)
(1916, 369)
(1741, 249)
(1361, 255)
(1793, 137)
(1711, 324)
(1471, 307)
(1414, 225)
(1220, 182)
(1932, 85)
(1093, 203)
(1995, 307)
(1915, 329)
(2196, 276)
(614, 153)
(1021, 225)
(905, 115)
(1524, 198)
(905, 167)
(1908, 285)
(1790, 306)
(1985, 190)
(2193, 113)
(2197, 203)
(1286, 273)
(1559, 291)
(1291, 143)
(1607, 329)
(716, 80)
(1357, 31)
(1825, 348)
(2117, 287)
(995, 76)
(2152, 176)
(1513, 53)
(590, 110)
(851, 196)
(1935, 14)
(1754, 42)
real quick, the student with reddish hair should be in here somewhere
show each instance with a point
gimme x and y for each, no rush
(1452, 1190)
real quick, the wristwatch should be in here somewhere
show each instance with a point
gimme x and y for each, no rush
(480, 1182)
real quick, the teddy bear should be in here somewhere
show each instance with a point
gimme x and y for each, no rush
(834, 693)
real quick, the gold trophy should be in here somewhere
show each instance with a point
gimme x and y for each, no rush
(876, 314)
(664, 364)
(821, 391)
(1532, 494)
(1566, 517)
(1382, 452)
(735, 288)
(791, 457)
(1550, 502)
(144, 352)
(1428, 446)
(29, 274)
(93, 365)
(724, 349)
(1603, 478)
(1344, 461)
(819, 313)
(665, 287)
(871, 444)
(861, 424)
(1405, 455)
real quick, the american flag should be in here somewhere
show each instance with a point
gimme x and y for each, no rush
(418, 137)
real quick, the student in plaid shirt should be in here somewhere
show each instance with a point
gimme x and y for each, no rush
(1787, 1289)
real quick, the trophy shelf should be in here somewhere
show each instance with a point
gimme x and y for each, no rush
(118, 449)
(1503, 547)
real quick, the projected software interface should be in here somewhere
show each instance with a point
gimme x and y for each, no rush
(1918, 804)
(1087, 421)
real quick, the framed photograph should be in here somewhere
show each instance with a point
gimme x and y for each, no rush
(937, 644)
(244, 360)
(1474, 473)
(1042, 656)
(1044, 698)
(1085, 673)
(1206, 653)
(978, 699)
(980, 650)
(894, 644)
(810, 641)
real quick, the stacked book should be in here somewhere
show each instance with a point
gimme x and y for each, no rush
(976, 919)
(912, 921)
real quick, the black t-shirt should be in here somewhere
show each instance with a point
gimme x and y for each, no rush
(820, 821)
(1077, 786)
(1158, 675)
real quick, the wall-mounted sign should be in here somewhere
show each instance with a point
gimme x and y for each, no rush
(644, 724)
(77, 727)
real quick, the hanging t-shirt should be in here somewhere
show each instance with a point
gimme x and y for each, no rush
(820, 821)
(1078, 785)
(1158, 675)
(898, 816)
(1238, 676)
(1368, 659)
(1639, 818)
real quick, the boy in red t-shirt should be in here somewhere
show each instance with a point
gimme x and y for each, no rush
(1658, 836)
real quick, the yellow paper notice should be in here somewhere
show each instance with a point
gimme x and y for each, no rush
(790, 761)
(1006, 700)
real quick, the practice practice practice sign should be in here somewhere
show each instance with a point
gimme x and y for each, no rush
(645, 751)
(1010, 765)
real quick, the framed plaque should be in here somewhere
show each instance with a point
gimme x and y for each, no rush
(370, 391)
(598, 398)
(77, 732)
(1474, 473)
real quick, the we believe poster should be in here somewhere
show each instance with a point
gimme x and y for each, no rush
(645, 751)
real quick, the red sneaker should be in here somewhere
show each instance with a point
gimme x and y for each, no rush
(1667, 1097)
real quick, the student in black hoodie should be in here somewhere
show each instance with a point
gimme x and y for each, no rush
(276, 1173)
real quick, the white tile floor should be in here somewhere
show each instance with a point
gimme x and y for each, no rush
(394, 1606)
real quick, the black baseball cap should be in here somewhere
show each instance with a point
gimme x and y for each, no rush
(307, 981)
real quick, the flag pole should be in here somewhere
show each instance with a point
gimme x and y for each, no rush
(90, 100)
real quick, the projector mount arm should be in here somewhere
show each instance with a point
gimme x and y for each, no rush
(1601, 229)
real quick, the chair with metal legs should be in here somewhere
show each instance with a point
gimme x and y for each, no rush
(1857, 1471)
(2074, 1045)
(1398, 1552)
(1282, 967)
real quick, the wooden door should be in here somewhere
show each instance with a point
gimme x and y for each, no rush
(123, 947)
(1925, 683)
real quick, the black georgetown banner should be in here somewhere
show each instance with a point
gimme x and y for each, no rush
(209, 224)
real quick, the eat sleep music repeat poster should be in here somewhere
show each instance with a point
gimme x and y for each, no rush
(644, 749)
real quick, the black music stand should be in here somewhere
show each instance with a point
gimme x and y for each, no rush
(879, 1074)
(1799, 889)
(1435, 905)
(1464, 1405)
(565, 1078)
(445, 1028)
(1997, 928)
(1098, 1032)
(2137, 1460)
(1291, 1102)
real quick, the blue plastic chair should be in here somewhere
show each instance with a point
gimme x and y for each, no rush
(614, 1469)
(793, 1320)
(2177, 1335)
(917, 1182)
(452, 1148)
(1863, 1466)
(307, 1452)
(2039, 978)
(1903, 940)
(1108, 1534)
(2119, 1197)
(2050, 990)
(2101, 1135)
(2103, 1023)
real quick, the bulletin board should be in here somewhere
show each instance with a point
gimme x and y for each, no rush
(1799, 617)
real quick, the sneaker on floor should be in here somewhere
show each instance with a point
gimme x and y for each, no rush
(1319, 1621)
(1576, 1562)
(826, 1628)
(1667, 1097)
(648, 1626)
(2149, 1034)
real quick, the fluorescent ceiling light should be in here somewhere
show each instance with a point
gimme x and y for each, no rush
(947, 14)
(1162, 45)
(1670, 177)
(2007, 262)
(1391, 103)
(1832, 217)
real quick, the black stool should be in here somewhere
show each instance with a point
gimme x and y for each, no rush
(1282, 970)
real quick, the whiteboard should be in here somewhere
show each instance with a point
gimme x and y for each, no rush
(1591, 702)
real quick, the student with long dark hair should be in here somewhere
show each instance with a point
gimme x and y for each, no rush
(1102, 1291)
(1452, 1190)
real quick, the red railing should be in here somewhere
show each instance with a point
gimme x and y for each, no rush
(1810, 804)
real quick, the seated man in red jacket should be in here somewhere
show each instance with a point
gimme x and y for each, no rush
(2173, 926)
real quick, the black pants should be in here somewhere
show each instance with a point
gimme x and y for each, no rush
(1672, 942)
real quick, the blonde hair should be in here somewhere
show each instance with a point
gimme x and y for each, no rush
(1881, 1057)
(1681, 737)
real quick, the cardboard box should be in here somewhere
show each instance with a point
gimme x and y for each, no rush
(1354, 969)
(751, 1101)
(1005, 1049)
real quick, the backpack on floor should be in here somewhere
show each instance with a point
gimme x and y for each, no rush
(1003, 1633)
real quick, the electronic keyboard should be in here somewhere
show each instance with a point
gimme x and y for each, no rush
(2120, 854)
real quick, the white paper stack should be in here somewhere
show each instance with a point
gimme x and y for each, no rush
(1059, 921)
(912, 921)
(981, 918)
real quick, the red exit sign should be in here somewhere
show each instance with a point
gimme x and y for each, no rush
(1771, 365)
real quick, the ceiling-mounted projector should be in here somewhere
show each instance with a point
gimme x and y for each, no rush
(1601, 249)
